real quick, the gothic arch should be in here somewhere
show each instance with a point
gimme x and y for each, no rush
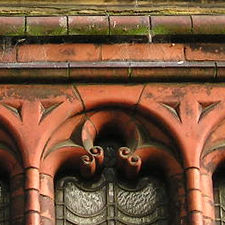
(212, 159)
(77, 149)
(79, 132)
(11, 173)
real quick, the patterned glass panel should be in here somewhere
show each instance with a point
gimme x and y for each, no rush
(4, 204)
(219, 199)
(105, 202)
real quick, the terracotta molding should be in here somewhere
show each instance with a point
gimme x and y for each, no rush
(112, 25)
(178, 126)
(112, 71)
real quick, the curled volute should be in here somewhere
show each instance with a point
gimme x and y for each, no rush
(116, 139)
(129, 162)
(98, 133)
(87, 165)
(91, 161)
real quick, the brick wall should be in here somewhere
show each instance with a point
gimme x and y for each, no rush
(177, 127)
(112, 52)
(186, 123)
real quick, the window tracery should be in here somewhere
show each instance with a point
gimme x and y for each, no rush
(109, 197)
(109, 201)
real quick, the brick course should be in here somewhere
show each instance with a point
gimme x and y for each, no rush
(112, 25)
(59, 53)
(143, 52)
(164, 25)
(46, 26)
(91, 52)
(205, 52)
(112, 52)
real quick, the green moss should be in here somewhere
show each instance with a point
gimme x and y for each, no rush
(88, 31)
(160, 30)
(16, 32)
(216, 29)
(142, 30)
(43, 31)
(165, 30)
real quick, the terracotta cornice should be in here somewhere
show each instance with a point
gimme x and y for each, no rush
(110, 25)
(109, 72)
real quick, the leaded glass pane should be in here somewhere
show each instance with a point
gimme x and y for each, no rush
(219, 199)
(4, 204)
(106, 202)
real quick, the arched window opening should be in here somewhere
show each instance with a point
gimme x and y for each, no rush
(4, 204)
(109, 198)
(219, 195)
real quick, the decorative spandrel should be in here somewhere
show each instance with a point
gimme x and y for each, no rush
(4, 204)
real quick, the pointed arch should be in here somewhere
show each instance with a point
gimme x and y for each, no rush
(74, 146)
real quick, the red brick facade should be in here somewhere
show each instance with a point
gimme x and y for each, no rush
(189, 118)
(113, 52)
(176, 128)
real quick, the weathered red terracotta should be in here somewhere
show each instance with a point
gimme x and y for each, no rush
(40, 128)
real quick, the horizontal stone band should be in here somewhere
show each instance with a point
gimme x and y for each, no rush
(105, 72)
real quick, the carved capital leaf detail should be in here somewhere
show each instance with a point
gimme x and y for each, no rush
(47, 108)
(207, 107)
(173, 107)
(15, 109)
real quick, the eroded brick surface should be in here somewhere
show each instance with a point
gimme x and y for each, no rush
(205, 52)
(143, 52)
(59, 53)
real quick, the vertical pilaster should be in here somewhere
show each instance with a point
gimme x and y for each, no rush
(47, 208)
(194, 196)
(32, 203)
(207, 198)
